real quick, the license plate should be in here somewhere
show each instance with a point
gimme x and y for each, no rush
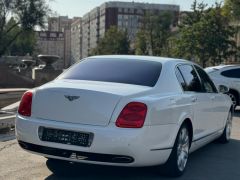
(65, 137)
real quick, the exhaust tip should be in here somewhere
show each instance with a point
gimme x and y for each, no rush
(122, 159)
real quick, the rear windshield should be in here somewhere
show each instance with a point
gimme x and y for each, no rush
(127, 71)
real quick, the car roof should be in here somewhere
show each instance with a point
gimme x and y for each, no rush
(222, 66)
(163, 60)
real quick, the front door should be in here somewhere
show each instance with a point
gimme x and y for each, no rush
(216, 100)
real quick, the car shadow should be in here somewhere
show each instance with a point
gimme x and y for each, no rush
(214, 161)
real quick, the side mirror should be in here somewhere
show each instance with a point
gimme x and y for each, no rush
(223, 89)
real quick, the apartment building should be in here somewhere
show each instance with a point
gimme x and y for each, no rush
(125, 15)
(76, 40)
(85, 35)
(59, 24)
(62, 24)
(81, 35)
(90, 31)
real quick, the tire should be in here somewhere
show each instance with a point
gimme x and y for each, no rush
(177, 161)
(234, 99)
(225, 137)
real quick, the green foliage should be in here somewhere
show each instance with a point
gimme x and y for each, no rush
(28, 14)
(115, 41)
(153, 38)
(141, 43)
(205, 35)
(23, 44)
(232, 8)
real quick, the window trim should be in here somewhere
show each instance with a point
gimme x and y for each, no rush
(203, 88)
(189, 64)
(177, 69)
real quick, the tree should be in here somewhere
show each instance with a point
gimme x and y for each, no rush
(28, 14)
(232, 8)
(115, 41)
(153, 37)
(24, 43)
(221, 33)
(141, 47)
(205, 35)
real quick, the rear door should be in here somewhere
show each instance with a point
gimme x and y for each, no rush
(202, 106)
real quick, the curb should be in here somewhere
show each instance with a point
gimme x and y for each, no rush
(7, 122)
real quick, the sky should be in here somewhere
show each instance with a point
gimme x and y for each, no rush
(80, 7)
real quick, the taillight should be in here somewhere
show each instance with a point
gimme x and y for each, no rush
(132, 116)
(25, 107)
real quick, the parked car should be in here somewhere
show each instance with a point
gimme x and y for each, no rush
(228, 75)
(125, 111)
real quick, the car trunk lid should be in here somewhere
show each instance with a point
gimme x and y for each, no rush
(90, 103)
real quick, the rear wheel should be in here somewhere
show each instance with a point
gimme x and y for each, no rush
(225, 137)
(177, 161)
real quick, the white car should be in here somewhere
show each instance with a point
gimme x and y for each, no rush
(228, 75)
(125, 111)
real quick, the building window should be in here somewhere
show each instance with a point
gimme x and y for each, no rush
(43, 34)
(120, 10)
(119, 23)
(120, 17)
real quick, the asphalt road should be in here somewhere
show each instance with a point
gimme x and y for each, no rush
(212, 162)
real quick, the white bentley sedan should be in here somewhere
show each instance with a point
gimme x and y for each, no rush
(125, 111)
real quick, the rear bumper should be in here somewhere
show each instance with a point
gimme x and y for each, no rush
(150, 145)
(76, 155)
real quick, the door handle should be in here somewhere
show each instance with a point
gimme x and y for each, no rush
(194, 99)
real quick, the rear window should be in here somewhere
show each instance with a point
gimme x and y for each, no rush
(232, 73)
(127, 71)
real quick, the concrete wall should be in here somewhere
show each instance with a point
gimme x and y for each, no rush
(9, 96)
(11, 79)
(42, 76)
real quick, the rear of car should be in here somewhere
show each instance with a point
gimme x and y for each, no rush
(96, 112)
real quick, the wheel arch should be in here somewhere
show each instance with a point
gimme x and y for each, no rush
(189, 125)
(188, 122)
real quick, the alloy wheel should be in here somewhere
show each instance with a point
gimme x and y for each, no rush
(182, 149)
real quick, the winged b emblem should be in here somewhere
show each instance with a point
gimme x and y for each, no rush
(71, 98)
